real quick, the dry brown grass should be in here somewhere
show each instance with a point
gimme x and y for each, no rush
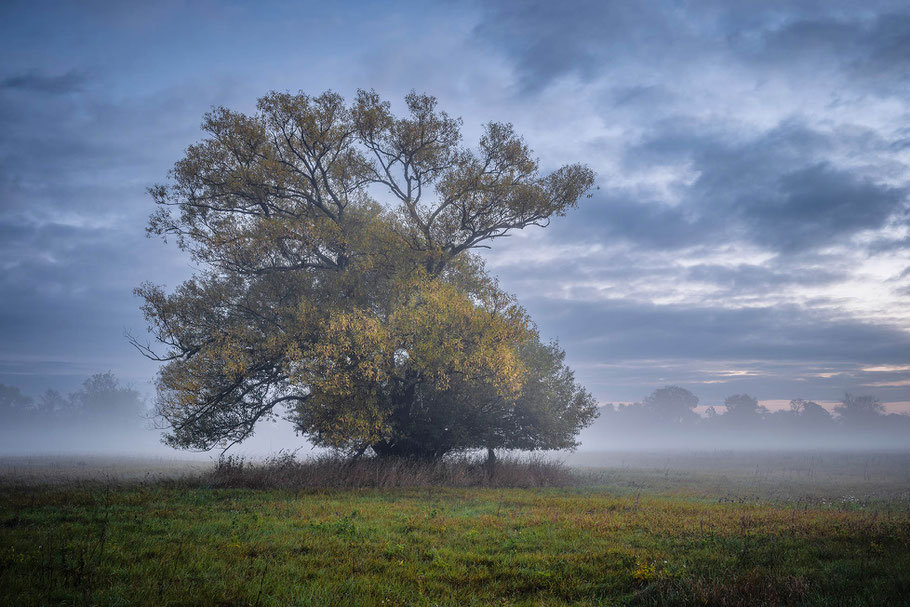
(285, 471)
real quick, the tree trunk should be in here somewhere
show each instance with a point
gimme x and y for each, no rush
(491, 462)
(359, 453)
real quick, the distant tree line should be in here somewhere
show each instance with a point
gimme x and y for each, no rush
(668, 414)
(666, 417)
(100, 400)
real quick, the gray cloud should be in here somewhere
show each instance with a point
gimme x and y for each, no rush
(871, 51)
(587, 38)
(549, 40)
(818, 205)
(629, 330)
(747, 278)
(781, 189)
(752, 160)
(35, 81)
(683, 344)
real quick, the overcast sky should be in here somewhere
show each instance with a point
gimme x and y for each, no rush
(750, 231)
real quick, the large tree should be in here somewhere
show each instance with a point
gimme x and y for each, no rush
(371, 322)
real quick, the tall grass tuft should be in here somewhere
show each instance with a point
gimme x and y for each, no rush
(285, 470)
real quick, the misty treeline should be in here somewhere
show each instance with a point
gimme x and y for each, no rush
(668, 418)
(102, 413)
(101, 398)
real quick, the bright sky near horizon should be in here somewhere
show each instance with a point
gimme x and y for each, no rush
(750, 233)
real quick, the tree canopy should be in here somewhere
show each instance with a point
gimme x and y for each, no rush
(340, 285)
(672, 404)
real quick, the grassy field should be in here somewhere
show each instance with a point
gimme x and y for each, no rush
(631, 534)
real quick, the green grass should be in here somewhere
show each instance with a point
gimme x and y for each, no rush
(173, 544)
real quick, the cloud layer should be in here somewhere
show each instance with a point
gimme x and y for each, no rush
(750, 231)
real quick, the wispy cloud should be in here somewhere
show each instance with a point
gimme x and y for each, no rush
(889, 384)
(35, 81)
(886, 368)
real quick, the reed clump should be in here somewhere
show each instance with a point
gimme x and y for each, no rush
(330, 471)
